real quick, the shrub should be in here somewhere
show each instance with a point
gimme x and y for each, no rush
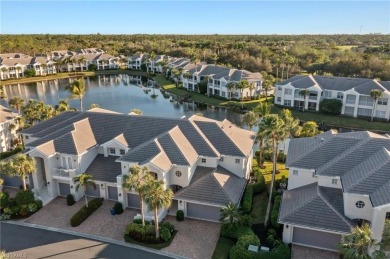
(85, 212)
(118, 208)
(281, 157)
(29, 73)
(24, 197)
(234, 230)
(137, 221)
(275, 211)
(259, 186)
(70, 199)
(239, 252)
(92, 67)
(4, 199)
(247, 199)
(331, 106)
(10, 153)
(145, 234)
(165, 234)
(270, 239)
(246, 220)
(271, 232)
(23, 210)
(247, 240)
(168, 225)
(39, 204)
(179, 215)
(32, 207)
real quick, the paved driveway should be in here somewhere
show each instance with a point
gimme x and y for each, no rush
(303, 252)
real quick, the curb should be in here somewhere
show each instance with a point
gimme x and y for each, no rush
(93, 237)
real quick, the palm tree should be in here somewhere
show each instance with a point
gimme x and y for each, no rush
(84, 180)
(63, 105)
(230, 86)
(157, 197)
(77, 90)
(4, 70)
(292, 125)
(18, 69)
(375, 94)
(251, 87)
(16, 103)
(267, 84)
(44, 66)
(309, 129)
(272, 127)
(358, 243)
(250, 119)
(19, 165)
(93, 105)
(137, 180)
(305, 93)
(262, 110)
(2, 93)
(48, 112)
(230, 213)
(243, 84)
(82, 63)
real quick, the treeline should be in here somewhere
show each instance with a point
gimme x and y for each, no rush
(281, 55)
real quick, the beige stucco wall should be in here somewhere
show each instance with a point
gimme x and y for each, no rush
(303, 178)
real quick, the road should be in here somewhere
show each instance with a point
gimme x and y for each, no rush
(27, 242)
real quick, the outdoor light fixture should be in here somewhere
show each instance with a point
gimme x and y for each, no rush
(48, 183)
(286, 226)
(71, 187)
(120, 195)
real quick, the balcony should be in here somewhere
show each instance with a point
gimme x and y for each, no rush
(62, 172)
(312, 97)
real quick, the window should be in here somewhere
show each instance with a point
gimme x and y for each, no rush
(364, 112)
(204, 160)
(178, 173)
(380, 114)
(221, 159)
(287, 102)
(340, 95)
(279, 99)
(295, 172)
(349, 110)
(387, 215)
(359, 204)
(350, 98)
(366, 100)
(279, 88)
(122, 151)
(327, 94)
(26, 137)
(223, 94)
(237, 160)
(288, 91)
(382, 101)
(112, 150)
(334, 181)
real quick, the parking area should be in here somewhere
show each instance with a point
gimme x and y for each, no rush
(304, 252)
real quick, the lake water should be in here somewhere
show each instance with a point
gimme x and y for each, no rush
(120, 93)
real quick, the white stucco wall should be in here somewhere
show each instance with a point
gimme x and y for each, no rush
(230, 164)
(183, 180)
(86, 159)
(378, 221)
(326, 181)
(303, 178)
(210, 162)
(352, 212)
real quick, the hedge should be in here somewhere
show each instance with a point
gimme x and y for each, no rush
(331, 106)
(280, 252)
(275, 211)
(235, 230)
(146, 234)
(24, 197)
(247, 240)
(247, 199)
(259, 186)
(6, 154)
(85, 212)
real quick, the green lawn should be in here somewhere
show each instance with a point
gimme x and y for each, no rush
(223, 248)
(259, 208)
(267, 171)
(336, 121)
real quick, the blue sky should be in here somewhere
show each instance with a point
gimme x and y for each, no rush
(194, 17)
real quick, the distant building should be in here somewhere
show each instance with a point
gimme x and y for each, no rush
(7, 118)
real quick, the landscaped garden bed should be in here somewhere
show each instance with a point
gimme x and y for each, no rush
(85, 212)
(146, 236)
(22, 206)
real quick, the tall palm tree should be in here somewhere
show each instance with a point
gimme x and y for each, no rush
(63, 105)
(358, 244)
(81, 61)
(16, 103)
(157, 197)
(44, 66)
(309, 129)
(4, 70)
(48, 112)
(137, 180)
(292, 125)
(77, 90)
(262, 110)
(84, 180)
(250, 119)
(242, 85)
(19, 165)
(305, 93)
(375, 94)
(230, 87)
(267, 84)
(230, 213)
(18, 69)
(272, 127)
(251, 87)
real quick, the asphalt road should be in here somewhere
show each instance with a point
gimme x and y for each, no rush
(27, 242)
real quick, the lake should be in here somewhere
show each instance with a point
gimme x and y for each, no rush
(120, 93)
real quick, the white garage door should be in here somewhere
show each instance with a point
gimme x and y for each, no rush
(92, 192)
(314, 238)
(64, 189)
(199, 211)
(133, 201)
(112, 193)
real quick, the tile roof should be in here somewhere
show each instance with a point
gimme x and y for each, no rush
(315, 207)
(104, 168)
(213, 186)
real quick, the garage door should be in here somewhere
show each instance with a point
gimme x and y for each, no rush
(11, 181)
(132, 201)
(93, 192)
(112, 193)
(204, 212)
(314, 238)
(64, 189)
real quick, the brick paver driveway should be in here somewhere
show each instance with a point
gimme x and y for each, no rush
(194, 239)
(101, 223)
(303, 252)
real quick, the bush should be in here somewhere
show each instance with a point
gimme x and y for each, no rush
(32, 207)
(24, 197)
(39, 204)
(281, 157)
(275, 211)
(331, 106)
(168, 225)
(259, 186)
(10, 153)
(4, 199)
(179, 215)
(92, 67)
(246, 220)
(23, 210)
(280, 252)
(70, 199)
(118, 208)
(234, 230)
(85, 212)
(239, 252)
(270, 239)
(29, 73)
(145, 234)
(139, 221)
(165, 234)
(247, 240)
(247, 199)
(272, 232)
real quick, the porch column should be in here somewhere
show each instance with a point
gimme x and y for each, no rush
(122, 197)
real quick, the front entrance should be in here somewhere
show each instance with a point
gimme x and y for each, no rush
(174, 208)
(41, 172)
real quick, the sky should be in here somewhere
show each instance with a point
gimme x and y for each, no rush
(194, 17)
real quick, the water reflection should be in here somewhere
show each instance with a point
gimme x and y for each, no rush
(120, 93)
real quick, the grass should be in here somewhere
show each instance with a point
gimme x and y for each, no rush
(259, 208)
(223, 248)
(336, 121)
(267, 171)
(154, 246)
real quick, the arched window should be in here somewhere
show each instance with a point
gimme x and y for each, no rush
(360, 204)
(178, 173)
